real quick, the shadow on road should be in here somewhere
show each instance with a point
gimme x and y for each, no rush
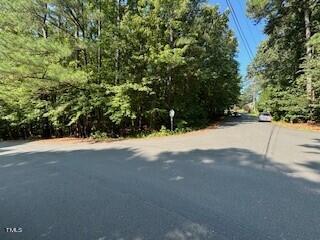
(315, 149)
(12, 143)
(233, 121)
(312, 165)
(8, 144)
(122, 194)
(315, 146)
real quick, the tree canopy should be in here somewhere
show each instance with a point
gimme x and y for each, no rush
(74, 67)
(287, 63)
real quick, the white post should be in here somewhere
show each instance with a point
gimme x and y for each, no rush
(171, 114)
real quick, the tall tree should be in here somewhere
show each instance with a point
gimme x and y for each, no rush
(74, 67)
(281, 60)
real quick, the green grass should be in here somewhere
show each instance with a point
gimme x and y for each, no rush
(162, 133)
(101, 136)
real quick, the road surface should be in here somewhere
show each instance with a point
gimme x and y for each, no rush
(243, 181)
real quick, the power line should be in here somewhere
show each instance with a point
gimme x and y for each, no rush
(244, 36)
(246, 44)
(238, 26)
(248, 23)
(241, 34)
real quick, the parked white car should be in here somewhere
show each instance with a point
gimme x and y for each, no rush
(265, 117)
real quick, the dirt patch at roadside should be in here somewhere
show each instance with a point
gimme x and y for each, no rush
(65, 140)
(75, 140)
(300, 126)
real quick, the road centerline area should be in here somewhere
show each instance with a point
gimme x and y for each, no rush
(271, 136)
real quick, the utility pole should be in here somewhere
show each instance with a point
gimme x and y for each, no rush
(254, 94)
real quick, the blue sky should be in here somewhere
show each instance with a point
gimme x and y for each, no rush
(253, 33)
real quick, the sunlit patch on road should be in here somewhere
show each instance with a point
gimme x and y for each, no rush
(177, 178)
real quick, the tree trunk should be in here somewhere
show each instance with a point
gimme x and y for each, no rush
(44, 27)
(309, 51)
(99, 43)
(169, 69)
(117, 55)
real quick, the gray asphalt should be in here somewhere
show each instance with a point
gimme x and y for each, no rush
(245, 180)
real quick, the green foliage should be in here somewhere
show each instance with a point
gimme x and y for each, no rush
(182, 124)
(286, 105)
(99, 136)
(163, 132)
(89, 67)
(283, 66)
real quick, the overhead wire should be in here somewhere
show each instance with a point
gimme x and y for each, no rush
(248, 23)
(239, 29)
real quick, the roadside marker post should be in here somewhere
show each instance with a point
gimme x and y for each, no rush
(171, 114)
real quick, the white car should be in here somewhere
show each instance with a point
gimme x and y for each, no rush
(265, 117)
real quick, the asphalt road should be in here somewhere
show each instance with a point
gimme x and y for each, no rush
(243, 181)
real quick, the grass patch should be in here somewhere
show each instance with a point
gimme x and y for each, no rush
(101, 136)
(162, 132)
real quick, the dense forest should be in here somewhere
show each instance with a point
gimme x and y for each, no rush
(285, 73)
(75, 67)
